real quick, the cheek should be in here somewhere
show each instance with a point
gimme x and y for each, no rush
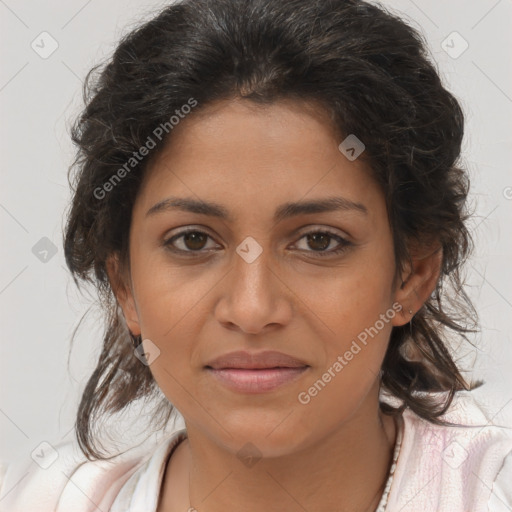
(359, 330)
(171, 304)
(168, 296)
(358, 316)
(355, 303)
(353, 297)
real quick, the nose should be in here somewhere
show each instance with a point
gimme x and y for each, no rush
(254, 297)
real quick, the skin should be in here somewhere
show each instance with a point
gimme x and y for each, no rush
(334, 452)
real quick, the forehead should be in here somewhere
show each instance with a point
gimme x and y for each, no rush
(239, 153)
(242, 129)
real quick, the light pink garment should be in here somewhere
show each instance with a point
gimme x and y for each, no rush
(453, 469)
(439, 469)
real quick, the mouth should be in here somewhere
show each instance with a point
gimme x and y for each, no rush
(255, 361)
(256, 373)
(257, 380)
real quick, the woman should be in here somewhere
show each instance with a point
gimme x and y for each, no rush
(268, 199)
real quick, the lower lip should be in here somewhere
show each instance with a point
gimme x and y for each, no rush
(256, 381)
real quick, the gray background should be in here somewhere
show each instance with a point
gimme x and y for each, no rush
(39, 305)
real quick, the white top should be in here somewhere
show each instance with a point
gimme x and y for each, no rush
(438, 469)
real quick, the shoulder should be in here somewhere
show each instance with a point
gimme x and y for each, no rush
(64, 479)
(60, 474)
(501, 496)
(464, 466)
(40, 480)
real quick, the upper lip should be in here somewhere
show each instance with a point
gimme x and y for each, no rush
(247, 360)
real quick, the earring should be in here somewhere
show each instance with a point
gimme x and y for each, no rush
(410, 311)
(136, 340)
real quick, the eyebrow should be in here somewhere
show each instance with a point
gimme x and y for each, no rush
(285, 211)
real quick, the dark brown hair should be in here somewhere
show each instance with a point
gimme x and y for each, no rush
(371, 73)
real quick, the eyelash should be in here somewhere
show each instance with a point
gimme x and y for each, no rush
(344, 244)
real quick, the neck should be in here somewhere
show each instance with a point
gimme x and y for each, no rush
(346, 470)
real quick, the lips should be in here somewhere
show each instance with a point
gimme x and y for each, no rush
(256, 381)
(255, 361)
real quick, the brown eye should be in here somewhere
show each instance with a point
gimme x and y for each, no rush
(195, 241)
(189, 241)
(317, 242)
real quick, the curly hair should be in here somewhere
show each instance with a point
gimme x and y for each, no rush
(368, 69)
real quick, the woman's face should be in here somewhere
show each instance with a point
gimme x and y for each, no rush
(251, 279)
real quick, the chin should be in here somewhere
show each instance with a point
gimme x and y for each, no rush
(267, 435)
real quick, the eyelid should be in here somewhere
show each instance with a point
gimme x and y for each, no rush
(312, 228)
(343, 240)
(317, 228)
(184, 231)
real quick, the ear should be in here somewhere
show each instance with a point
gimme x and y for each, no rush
(417, 283)
(123, 292)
